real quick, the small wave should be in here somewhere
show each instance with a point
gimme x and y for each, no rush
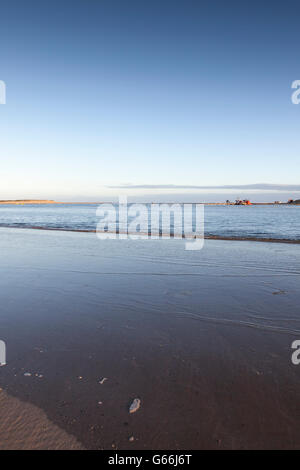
(206, 237)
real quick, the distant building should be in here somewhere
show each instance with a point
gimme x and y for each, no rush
(244, 202)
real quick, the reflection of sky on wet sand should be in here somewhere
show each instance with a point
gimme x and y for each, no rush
(202, 338)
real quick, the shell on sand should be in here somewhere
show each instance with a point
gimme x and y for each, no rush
(135, 405)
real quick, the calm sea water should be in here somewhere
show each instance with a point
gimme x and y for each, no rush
(276, 222)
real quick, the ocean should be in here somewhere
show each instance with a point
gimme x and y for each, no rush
(265, 221)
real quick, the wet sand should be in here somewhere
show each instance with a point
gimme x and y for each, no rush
(202, 338)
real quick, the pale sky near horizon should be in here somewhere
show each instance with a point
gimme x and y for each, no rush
(102, 94)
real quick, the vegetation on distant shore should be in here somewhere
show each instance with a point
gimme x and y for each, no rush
(294, 201)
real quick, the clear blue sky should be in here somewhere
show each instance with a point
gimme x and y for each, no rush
(112, 93)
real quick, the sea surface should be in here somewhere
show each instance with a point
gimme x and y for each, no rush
(267, 222)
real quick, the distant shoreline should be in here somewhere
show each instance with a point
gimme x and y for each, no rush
(28, 201)
(50, 201)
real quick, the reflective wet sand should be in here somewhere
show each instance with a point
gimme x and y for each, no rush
(202, 338)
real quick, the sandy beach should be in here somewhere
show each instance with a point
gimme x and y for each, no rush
(202, 338)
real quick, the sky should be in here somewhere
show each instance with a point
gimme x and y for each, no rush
(150, 99)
